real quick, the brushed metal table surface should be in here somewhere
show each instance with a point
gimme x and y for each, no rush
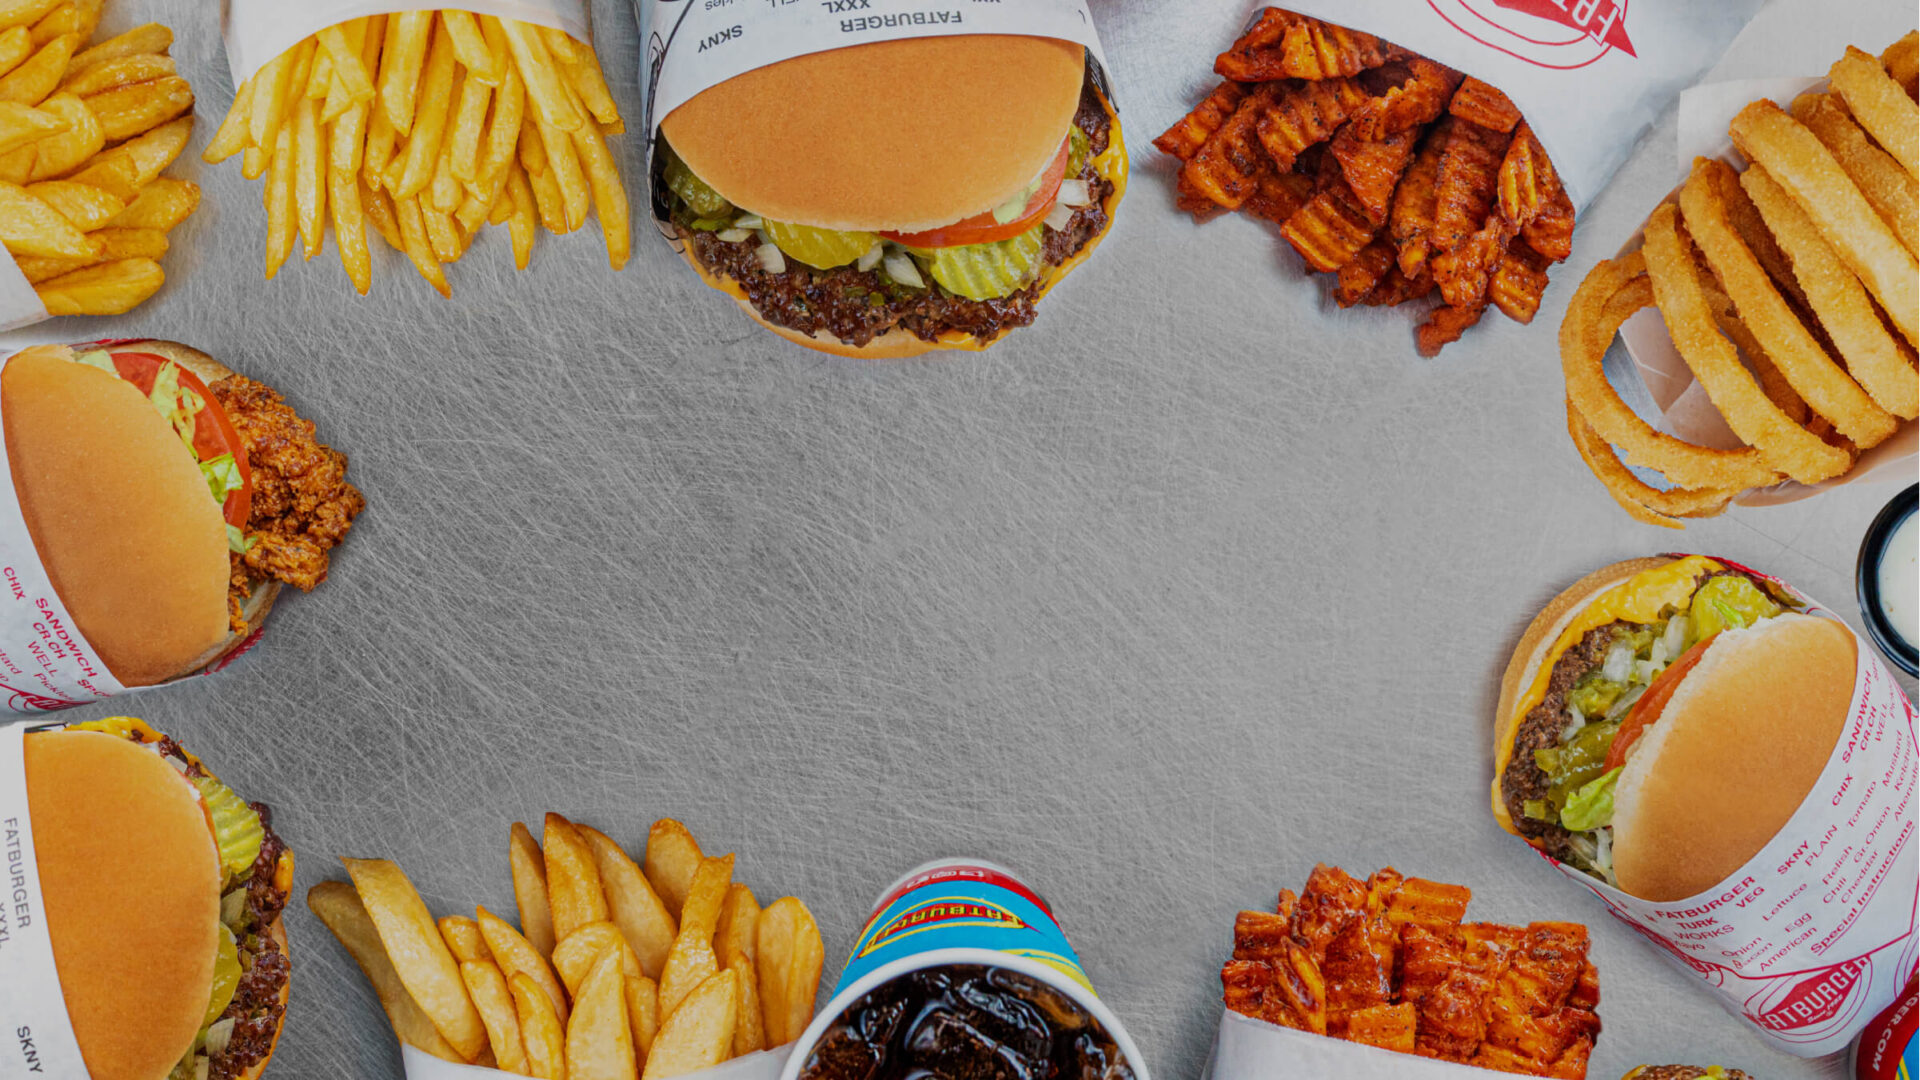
(1193, 584)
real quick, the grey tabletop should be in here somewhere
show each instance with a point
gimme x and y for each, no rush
(1195, 583)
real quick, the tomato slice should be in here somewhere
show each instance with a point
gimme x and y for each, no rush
(982, 228)
(213, 432)
(1653, 702)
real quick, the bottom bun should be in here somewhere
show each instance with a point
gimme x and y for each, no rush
(278, 932)
(895, 344)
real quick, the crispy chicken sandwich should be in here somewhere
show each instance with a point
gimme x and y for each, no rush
(1663, 718)
(163, 894)
(169, 498)
(894, 197)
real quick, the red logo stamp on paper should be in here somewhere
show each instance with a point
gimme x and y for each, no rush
(1561, 34)
(1811, 1002)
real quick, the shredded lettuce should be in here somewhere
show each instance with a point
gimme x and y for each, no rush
(177, 404)
(1591, 806)
(97, 358)
(238, 542)
(223, 476)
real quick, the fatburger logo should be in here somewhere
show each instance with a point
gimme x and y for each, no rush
(1550, 33)
(943, 913)
(1814, 1000)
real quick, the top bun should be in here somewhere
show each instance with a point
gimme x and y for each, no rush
(901, 135)
(1743, 739)
(120, 515)
(132, 882)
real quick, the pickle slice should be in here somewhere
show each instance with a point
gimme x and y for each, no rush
(226, 977)
(988, 271)
(236, 827)
(699, 197)
(822, 249)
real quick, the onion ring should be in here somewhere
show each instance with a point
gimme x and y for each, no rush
(1881, 105)
(1794, 157)
(1636, 497)
(1902, 61)
(1591, 321)
(1880, 178)
(1838, 300)
(1786, 341)
(1716, 365)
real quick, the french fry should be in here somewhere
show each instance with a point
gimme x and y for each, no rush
(599, 1034)
(16, 44)
(379, 151)
(590, 87)
(430, 118)
(495, 36)
(153, 151)
(550, 100)
(673, 857)
(443, 191)
(343, 196)
(574, 891)
(86, 206)
(603, 175)
(515, 954)
(739, 922)
(130, 110)
(479, 59)
(468, 121)
(116, 172)
(377, 205)
(502, 136)
(692, 959)
(540, 1028)
(345, 53)
(643, 1012)
(499, 214)
(699, 1034)
(268, 102)
(29, 226)
(278, 199)
(408, 34)
(749, 1030)
(413, 943)
(67, 20)
(530, 888)
(39, 75)
(309, 176)
(561, 46)
(23, 124)
(470, 215)
(494, 1000)
(463, 938)
(576, 954)
(111, 288)
(24, 12)
(339, 908)
(232, 136)
(114, 74)
(16, 166)
(115, 245)
(150, 38)
(413, 232)
(525, 217)
(563, 164)
(632, 905)
(161, 205)
(319, 75)
(789, 960)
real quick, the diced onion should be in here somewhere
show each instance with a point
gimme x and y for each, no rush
(771, 260)
(749, 221)
(872, 258)
(901, 269)
(232, 906)
(1657, 656)
(178, 765)
(1626, 701)
(218, 1036)
(1075, 193)
(202, 1065)
(1059, 217)
(1676, 638)
(1579, 721)
(1619, 663)
(734, 236)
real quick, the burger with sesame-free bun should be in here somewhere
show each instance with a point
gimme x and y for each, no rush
(895, 197)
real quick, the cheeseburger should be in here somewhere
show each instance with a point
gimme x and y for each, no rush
(1685, 1072)
(1663, 718)
(163, 894)
(894, 197)
(169, 498)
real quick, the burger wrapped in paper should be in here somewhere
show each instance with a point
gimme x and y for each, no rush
(1732, 773)
(886, 184)
(168, 500)
(158, 951)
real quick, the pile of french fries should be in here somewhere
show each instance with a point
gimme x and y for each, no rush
(427, 125)
(616, 971)
(85, 133)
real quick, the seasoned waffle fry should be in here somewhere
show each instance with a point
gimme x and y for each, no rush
(1518, 282)
(1279, 196)
(1372, 168)
(1527, 178)
(1184, 139)
(1414, 201)
(1551, 231)
(1306, 115)
(1331, 228)
(1258, 55)
(1469, 180)
(1445, 326)
(1227, 167)
(1481, 104)
(1462, 271)
(1364, 273)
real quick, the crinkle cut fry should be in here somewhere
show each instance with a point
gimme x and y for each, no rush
(1444, 327)
(1482, 104)
(1519, 281)
(1464, 270)
(1304, 115)
(1468, 182)
(1551, 231)
(1184, 139)
(1411, 218)
(1373, 167)
(1412, 104)
(1283, 45)
(1364, 274)
(1613, 290)
(1227, 168)
(1279, 195)
(1389, 1027)
(1397, 288)
(1716, 365)
(1331, 229)
(1527, 177)
(1256, 55)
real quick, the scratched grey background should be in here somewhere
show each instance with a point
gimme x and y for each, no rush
(1195, 583)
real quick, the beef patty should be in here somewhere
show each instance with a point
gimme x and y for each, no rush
(1540, 729)
(857, 306)
(1681, 1072)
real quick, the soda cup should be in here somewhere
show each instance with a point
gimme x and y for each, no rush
(1889, 1048)
(958, 930)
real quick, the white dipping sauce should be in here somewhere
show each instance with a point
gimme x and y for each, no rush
(1900, 580)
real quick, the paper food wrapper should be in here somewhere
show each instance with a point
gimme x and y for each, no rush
(259, 30)
(761, 1065)
(691, 45)
(1814, 936)
(1590, 75)
(1246, 1048)
(39, 1035)
(1685, 411)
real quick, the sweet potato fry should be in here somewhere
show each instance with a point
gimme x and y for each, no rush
(1481, 104)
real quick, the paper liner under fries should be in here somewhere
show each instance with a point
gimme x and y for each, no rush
(259, 30)
(1590, 77)
(1247, 1048)
(1814, 936)
(32, 1011)
(1684, 409)
(691, 45)
(759, 1065)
